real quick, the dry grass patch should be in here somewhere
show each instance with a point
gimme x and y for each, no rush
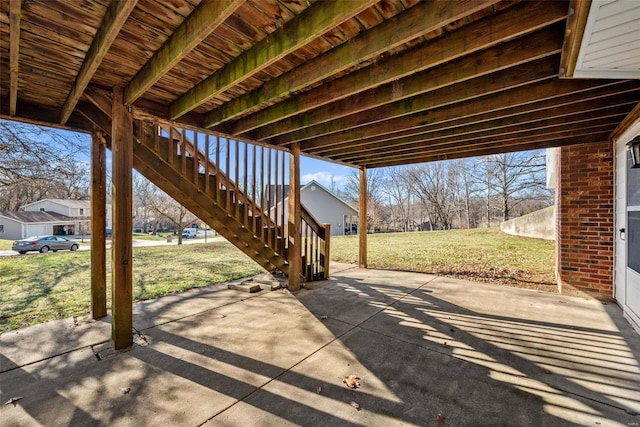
(485, 255)
(43, 287)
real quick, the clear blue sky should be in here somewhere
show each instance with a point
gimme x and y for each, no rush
(322, 172)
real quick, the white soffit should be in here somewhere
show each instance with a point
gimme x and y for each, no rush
(610, 47)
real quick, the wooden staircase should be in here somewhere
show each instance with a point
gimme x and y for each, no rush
(236, 187)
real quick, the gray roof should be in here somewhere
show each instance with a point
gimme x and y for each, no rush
(30, 217)
(65, 202)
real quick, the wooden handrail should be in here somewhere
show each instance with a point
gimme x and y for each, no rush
(253, 202)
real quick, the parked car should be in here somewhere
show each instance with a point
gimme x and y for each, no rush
(44, 244)
(189, 232)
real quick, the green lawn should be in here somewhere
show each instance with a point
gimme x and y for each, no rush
(5, 245)
(147, 236)
(480, 254)
(42, 287)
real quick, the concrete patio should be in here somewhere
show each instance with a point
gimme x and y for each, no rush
(428, 351)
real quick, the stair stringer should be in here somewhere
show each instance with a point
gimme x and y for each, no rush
(191, 196)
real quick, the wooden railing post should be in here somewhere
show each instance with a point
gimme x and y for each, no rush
(327, 250)
(121, 251)
(295, 219)
(362, 227)
(98, 225)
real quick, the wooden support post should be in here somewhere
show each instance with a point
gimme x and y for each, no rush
(327, 250)
(295, 219)
(98, 226)
(121, 249)
(362, 227)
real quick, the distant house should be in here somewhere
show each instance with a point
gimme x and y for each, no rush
(19, 225)
(72, 208)
(327, 208)
(48, 216)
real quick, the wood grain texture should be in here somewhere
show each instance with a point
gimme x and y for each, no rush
(98, 226)
(294, 220)
(122, 202)
(362, 219)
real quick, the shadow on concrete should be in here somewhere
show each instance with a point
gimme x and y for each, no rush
(429, 351)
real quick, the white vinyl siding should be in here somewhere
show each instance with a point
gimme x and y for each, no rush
(611, 41)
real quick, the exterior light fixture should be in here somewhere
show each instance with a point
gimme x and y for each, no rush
(634, 148)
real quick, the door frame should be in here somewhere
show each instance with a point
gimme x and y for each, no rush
(621, 209)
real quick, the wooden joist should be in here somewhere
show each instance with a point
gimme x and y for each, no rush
(316, 20)
(508, 79)
(500, 103)
(14, 53)
(114, 19)
(475, 50)
(202, 21)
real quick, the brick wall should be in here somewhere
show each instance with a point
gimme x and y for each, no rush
(584, 215)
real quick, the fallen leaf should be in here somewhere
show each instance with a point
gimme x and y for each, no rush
(351, 381)
(439, 417)
(125, 390)
(13, 401)
(355, 405)
(318, 389)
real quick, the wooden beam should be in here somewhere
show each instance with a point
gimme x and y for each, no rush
(208, 16)
(553, 141)
(14, 53)
(478, 148)
(509, 79)
(362, 219)
(94, 115)
(294, 222)
(502, 107)
(499, 58)
(98, 226)
(538, 120)
(39, 115)
(632, 118)
(121, 248)
(409, 25)
(576, 23)
(313, 22)
(100, 98)
(113, 20)
(479, 35)
(508, 99)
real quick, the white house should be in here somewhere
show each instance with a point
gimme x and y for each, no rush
(19, 225)
(48, 216)
(327, 208)
(72, 208)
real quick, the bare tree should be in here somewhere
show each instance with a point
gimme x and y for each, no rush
(351, 193)
(39, 162)
(518, 177)
(398, 189)
(433, 188)
(153, 202)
